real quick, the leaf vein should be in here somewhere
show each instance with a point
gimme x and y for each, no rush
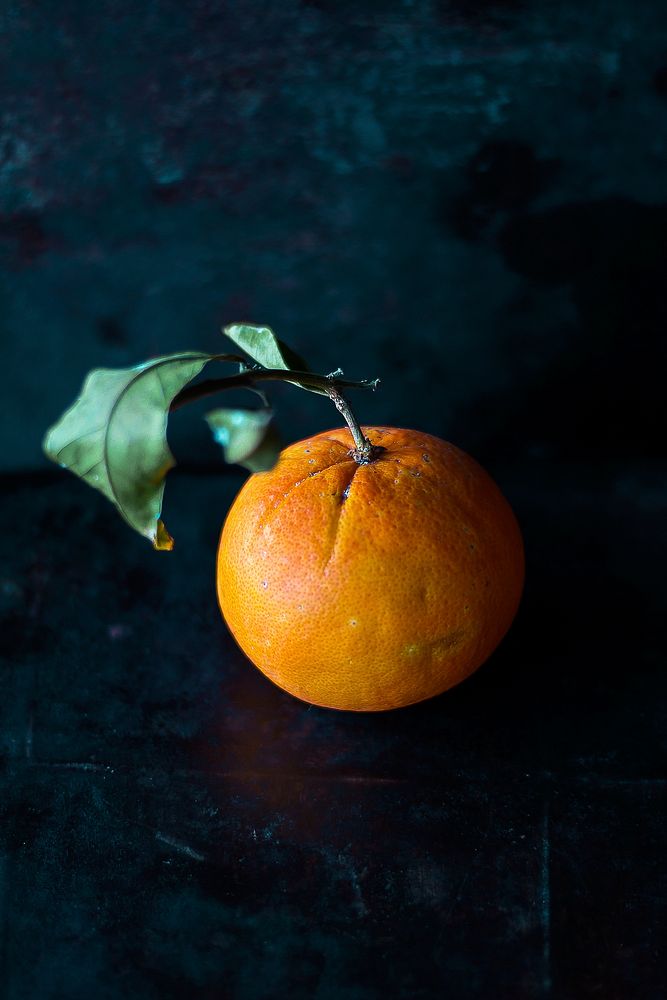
(76, 440)
(140, 374)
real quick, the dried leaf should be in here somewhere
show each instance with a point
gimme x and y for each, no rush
(262, 345)
(247, 437)
(114, 436)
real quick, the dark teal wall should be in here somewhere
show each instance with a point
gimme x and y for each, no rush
(464, 200)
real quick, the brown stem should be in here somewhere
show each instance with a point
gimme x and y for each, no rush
(246, 379)
(363, 452)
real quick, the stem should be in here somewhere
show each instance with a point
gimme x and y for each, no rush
(246, 379)
(364, 452)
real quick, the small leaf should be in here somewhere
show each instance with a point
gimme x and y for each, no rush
(114, 436)
(247, 437)
(262, 345)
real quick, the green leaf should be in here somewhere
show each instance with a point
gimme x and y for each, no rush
(247, 437)
(114, 436)
(262, 345)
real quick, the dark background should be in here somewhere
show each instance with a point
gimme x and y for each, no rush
(469, 202)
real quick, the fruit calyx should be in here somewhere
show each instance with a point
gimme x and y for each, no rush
(369, 453)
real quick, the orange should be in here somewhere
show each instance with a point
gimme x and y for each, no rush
(370, 587)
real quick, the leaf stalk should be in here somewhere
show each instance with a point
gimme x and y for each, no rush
(247, 379)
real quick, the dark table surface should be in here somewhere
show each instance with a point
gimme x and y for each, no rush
(172, 824)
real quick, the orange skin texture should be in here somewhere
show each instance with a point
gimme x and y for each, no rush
(370, 587)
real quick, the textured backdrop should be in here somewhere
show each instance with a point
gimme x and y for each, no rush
(466, 200)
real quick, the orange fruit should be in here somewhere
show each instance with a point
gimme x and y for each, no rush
(370, 587)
